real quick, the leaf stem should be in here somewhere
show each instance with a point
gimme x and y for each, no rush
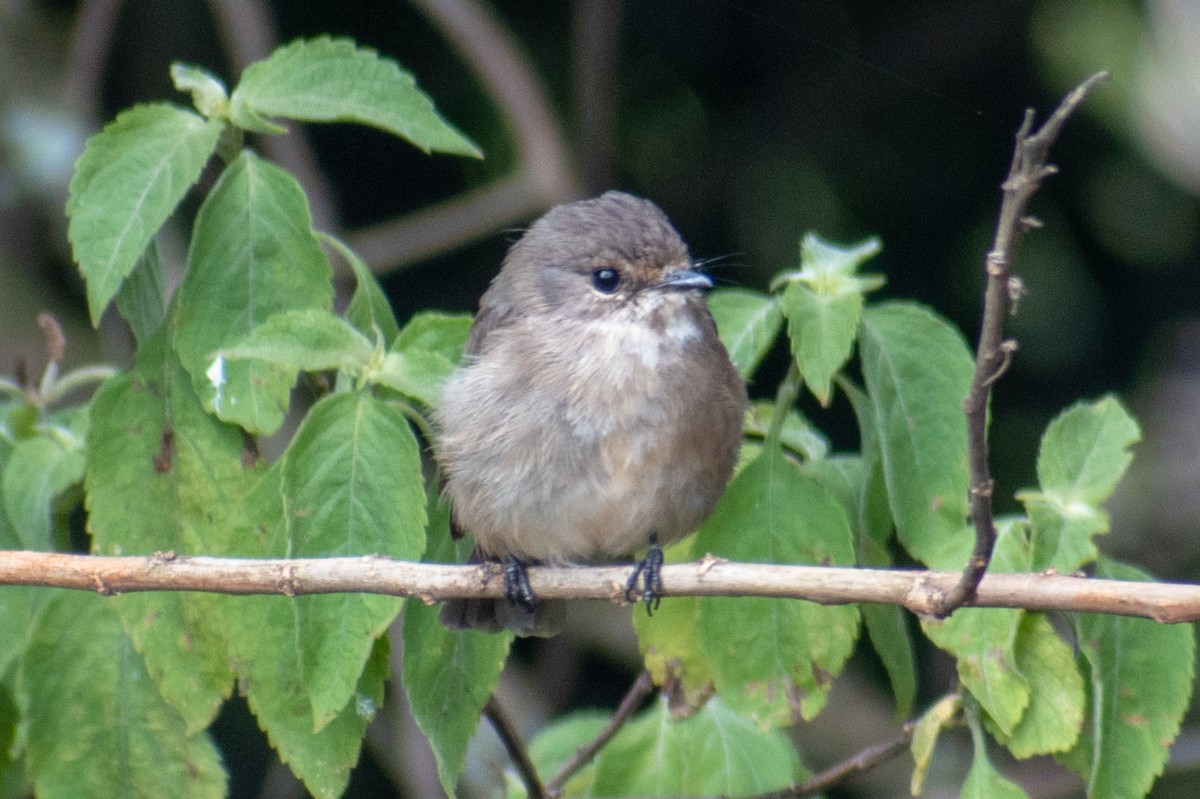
(785, 399)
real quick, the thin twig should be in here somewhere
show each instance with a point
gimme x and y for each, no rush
(914, 590)
(1025, 176)
(640, 689)
(516, 749)
(865, 760)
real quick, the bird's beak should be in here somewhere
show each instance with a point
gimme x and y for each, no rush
(686, 279)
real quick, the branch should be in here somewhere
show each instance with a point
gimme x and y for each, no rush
(640, 689)
(918, 591)
(865, 760)
(516, 749)
(1025, 176)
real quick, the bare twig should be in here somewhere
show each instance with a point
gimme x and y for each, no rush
(1025, 175)
(865, 760)
(917, 591)
(640, 689)
(516, 749)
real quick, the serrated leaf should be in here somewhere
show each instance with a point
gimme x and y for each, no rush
(925, 735)
(253, 255)
(369, 310)
(140, 300)
(713, 752)
(886, 627)
(1053, 719)
(1083, 454)
(308, 340)
(335, 80)
(448, 675)
(984, 641)
(129, 179)
(418, 374)
(164, 476)
(748, 323)
(775, 657)
(81, 667)
(443, 334)
(267, 661)
(918, 370)
(822, 328)
(39, 469)
(352, 485)
(1139, 681)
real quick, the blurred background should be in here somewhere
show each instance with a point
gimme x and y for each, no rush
(749, 123)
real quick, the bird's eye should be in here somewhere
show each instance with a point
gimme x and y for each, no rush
(606, 280)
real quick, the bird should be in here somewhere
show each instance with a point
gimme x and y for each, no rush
(596, 413)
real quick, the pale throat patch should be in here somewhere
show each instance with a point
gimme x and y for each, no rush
(631, 332)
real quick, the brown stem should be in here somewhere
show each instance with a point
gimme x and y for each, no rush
(641, 687)
(918, 591)
(516, 749)
(1025, 176)
(865, 760)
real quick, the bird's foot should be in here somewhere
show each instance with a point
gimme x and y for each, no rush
(649, 570)
(517, 589)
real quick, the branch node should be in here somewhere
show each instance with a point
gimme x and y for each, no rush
(287, 584)
(102, 587)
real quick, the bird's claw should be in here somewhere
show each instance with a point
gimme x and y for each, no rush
(649, 570)
(517, 589)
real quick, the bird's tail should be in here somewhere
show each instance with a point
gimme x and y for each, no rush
(543, 620)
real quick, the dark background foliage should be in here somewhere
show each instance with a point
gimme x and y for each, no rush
(749, 123)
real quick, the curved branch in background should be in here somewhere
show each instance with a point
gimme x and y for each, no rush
(595, 47)
(1025, 176)
(515, 748)
(91, 41)
(543, 176)
(249, 35)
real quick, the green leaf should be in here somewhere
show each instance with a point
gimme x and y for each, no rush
(983, 780)
(984, 641)
(94, 724)
(441, 333)
(798, 434)
(164, 476)
(713, 752)
(1139, 680)
(253, 255)
(209, 95)
(129, 179)
(267, 658)
(140, 300)
(776, 657)
(308, 340)
(352, 485)
(39, 470)
(748, 323)
(929, 727)
(1053, 719)
(822, 328)
(334, 80)
(886, 625)
(369, 310)
(423, 356)
(1083, 454)
(448, 675)
(671, 644)
(830, 268)
(918, 371)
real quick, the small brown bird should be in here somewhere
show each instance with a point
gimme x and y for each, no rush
(596, 413)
